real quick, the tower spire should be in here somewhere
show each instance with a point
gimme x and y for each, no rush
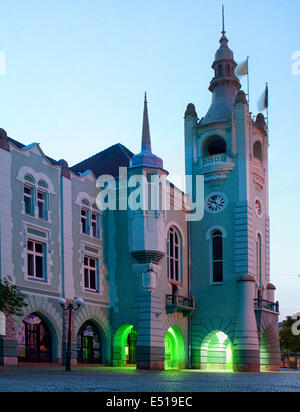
(146, 158)
(223, 21)
(146, 139)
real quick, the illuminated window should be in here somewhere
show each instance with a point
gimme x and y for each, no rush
(36, 259)
(174, 255)
(90, 273)
(217, 257)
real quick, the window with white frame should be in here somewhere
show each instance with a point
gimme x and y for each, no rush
(29, 200)
(85, 226)
(174, 257)
(90, 273)
(36, 259)
(95, 224)
(217, 256)
(35, 195)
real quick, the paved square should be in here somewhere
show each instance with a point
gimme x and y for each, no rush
(94, 379)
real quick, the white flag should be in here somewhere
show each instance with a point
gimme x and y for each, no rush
(263, 102)
(242, 68)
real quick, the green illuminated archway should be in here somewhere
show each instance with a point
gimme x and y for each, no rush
(124, 347)
(216, 352)
(174, 349)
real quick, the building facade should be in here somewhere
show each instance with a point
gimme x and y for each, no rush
(160, 290)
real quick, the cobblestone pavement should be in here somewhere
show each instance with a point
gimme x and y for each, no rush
(92, 379)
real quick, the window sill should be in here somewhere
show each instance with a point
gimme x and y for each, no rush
(175, 282)
(92, 291)
(217, 284)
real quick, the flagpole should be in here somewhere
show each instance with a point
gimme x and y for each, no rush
(267, 91)
(248, 81)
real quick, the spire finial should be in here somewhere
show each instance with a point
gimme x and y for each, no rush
(146, 139)
(223, 20)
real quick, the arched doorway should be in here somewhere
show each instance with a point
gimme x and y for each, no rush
(34, 340)
(216, 352)
(174, 349)
(89, 344)
(124, 348)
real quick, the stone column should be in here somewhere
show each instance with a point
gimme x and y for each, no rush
(246, 355)
(150, 349)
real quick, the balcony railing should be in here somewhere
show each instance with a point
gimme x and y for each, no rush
(176, 303)
(266, 305)
(215, 159)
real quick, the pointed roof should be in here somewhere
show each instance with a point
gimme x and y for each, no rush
(225, 85)
(146, 139)
(106, 162)
(146, 158)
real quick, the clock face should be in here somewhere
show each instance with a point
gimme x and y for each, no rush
(216, 203)
(258, 208)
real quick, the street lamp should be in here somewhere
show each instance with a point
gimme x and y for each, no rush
(70, 307)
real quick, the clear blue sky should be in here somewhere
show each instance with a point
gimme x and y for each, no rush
(77, 71)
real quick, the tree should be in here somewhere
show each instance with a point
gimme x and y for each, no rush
(12, 301)
(288, 341)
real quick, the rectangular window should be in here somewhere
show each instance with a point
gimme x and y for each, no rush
(90, 273)
(36, 259)
(28, 200)
(42, 205)
(95, 225)
(85, 221)
(217, 257)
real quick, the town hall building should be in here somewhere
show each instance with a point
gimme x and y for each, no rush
(160, 290)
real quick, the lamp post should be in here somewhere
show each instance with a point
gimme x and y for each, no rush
(70, 307)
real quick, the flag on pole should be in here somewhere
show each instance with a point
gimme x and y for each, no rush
(242, 68)
(263, 102)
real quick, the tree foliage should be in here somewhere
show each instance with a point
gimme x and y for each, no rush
(288, 341)
(12, 301)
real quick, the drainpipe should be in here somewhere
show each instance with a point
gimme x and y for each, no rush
(189, 294)
(62, 238)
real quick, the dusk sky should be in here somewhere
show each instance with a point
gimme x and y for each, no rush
(77, 70)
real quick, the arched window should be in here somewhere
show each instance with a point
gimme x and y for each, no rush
(217, 257)
(174, 255)
(220, 71)
(259, 260)
(214, 146)
(90, 219)
(257, 151)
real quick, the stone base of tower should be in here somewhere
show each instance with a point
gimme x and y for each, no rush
(150, 358)
(246, 361)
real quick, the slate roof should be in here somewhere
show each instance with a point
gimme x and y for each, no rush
(106, 162)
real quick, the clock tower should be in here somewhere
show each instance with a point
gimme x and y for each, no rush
(235, 325)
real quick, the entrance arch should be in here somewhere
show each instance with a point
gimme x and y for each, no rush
(216, 352)
(89, 344)
(174, 349)
(124, 347)
(36, 340)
